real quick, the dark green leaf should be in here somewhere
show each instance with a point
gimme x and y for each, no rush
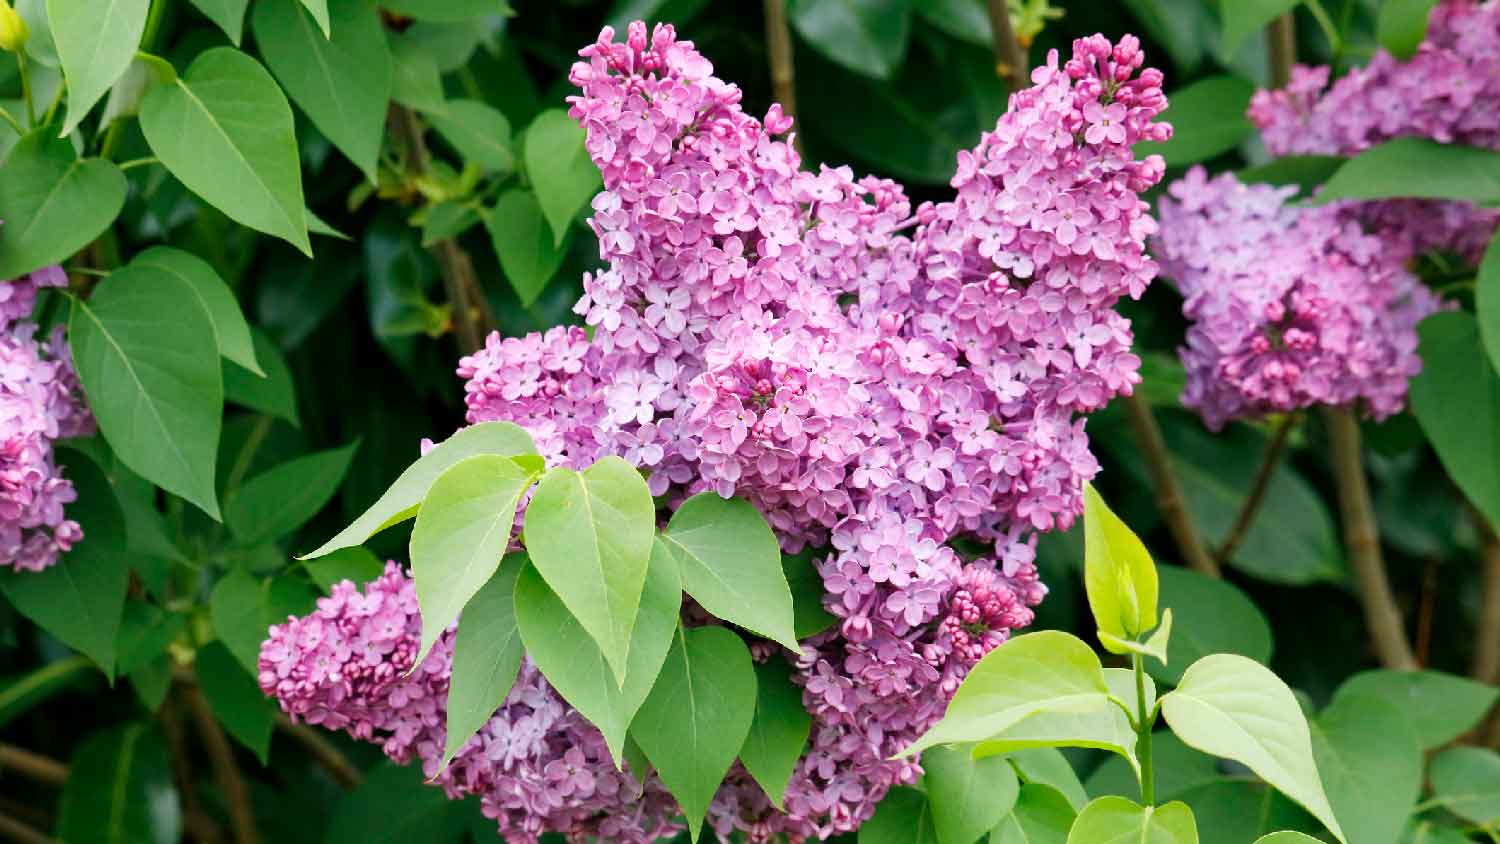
(1466, 780)
(416, 81)
(779, 730)
(1213, 616)
(903, 817)
(120, 791)
(1456, 398)
(1371, 765)
(865, 36)
(478, 132)
(1417, 168)
(1307, 172)
(231, 332)
(447, 10)
(1440, 707)
(1401, 26)
(560, 169)
(810, 618)
(521, 238)
(965, 20)
(152, 681)
(273, 394)
(229, 15)
(1487, 300)
(487, 654)
(53, 202)
(353, 564)
(1178, 768)
(95, 42)
(235, 698)
(1207, 117)
(145, 632)
(275, 503)
(1179, 25)
(1042, 815)
(243, 608)
(1243, 17)
(394, 805)
(449, 219)
(967, 796)
(18, 695)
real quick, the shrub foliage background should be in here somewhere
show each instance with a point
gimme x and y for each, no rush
(282, 222)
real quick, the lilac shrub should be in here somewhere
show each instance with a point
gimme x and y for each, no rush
(40, 402)
(879, 381)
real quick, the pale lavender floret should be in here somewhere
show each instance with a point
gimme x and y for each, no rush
(876, 379)
(40, 402)
(1291, 306)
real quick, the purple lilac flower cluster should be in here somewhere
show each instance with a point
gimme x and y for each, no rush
(40, 402)
(1290, 306)
(1447, 91)
(878, 380)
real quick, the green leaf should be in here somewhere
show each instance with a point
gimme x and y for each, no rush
(357, 565)
(225, 130)
(696, 717)
(416, 81)
(1155, 646)
(1423, 832)
(1213, 616)
(144, 73)
(19, 695)
(446, 10)
(1230, 706)
(865, 36)
(1178, 769)
(1115, 820)
(448, 219)
(1371, 766)
(395, 805)
(119, 790)
(967, 796)
(278, 502)
(145, 632)
(146, 354)
(903, 817)
(1286, 837)
(1440, 707)
(778, 732)
(1466, 780)
(461, 533)
(81, 598)
(1487, 300)
(1416, 168)
(54, 203)
(478, 132)
(1047, 766)
(809, 618)
(1241, 18)
(343, 82)
(1456, 398)
(95, 42)
(242, 610)
(1401, 26)
(1102, 729)
(965, 20)
(1048, 671)
(319, 10)
(231, 332)
(590, 535)
(401, 500)
(1042, 815)
(487, 655)
(1307, 172)
(731, 564)
(572, 662)
(560, 169)
(524, 243)
(1178, 25)
(1207, 117)
(235, 698)
(229, 15)
(273, 394)
(1118, 573)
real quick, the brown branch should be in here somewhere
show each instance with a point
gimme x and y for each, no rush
(1362, 543)
(783, 68)
(1164, 483)
(33, 766)
(13, 830)
(322, 751)
(1281, 41)
(1487, 648)
(1262, 482)
(472, 315)
(1010, 57)
(226, 771)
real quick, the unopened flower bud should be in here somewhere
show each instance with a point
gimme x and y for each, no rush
(13, 31)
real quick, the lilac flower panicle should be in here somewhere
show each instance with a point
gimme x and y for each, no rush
(40, 402)
(877, 380)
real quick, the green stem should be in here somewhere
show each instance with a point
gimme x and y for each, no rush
(14, 124)
(1331, 32)
(139, 162)
(1143, 732)
(26, 87)
(148, 44)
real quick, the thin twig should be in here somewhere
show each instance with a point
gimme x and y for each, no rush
(783, 68)
(1426, 609)
(472, 314)
(322, 751)
(1487, 647)
(1010, 56)
(1262, 482)
(33, 766)
(1362, 543)
(226, 771)
(13, 830)
(1281, 42)
(1164, 482)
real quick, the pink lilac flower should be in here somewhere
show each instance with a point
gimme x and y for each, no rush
(40, 402)
(877, 380)
(1291, 306)
(1447, 91)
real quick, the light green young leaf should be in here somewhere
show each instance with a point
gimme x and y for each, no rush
(1121, 683)
(523, 243)
(572, 662)
(694, 722)
(462, 530)
(1211, 113)
(235, 698)
(120, 788)
(1048, 766)
(590, 535)
(1371, 766)
(1049, 671)
(1418, 168)
(1401, 25)
(903, 817)
(54, 203)
(319, 10)
(278, 501)
(1440, 707)
(146, 354)
(273, 393)
(1456, 399)
(731, 564)
(1118, 573)
(1287, 837)
(560, 169)
(1115, 820)
(225, 131)
(1042, 815)
(1466, 780)
(229, 15)
(479, 132)
(968, 796)
(778, 733)
(231, 332)
(95, 41)
(1230, 706)
(1155, 645)
(1241, 18)
(342, 82)
(1102, 729)
(868, 37)
(401, 501)
(487, 655)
